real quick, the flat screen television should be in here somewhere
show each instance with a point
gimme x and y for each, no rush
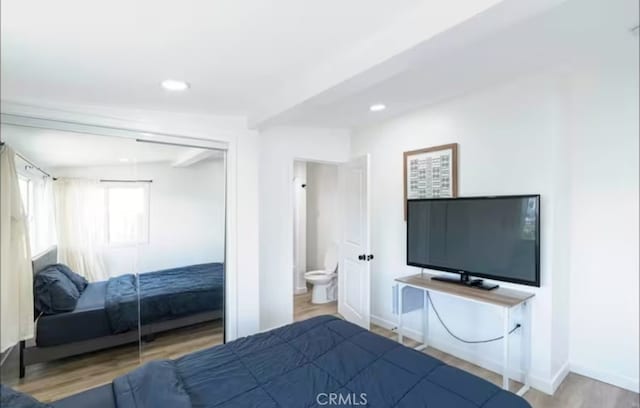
(488, 237)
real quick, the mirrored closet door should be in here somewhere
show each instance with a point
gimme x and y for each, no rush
(127, 252)
(181, 255)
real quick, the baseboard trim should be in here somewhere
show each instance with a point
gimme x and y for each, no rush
(628, 383)
(300, 291)
(6, 354)
(557, 379)
(546, 385)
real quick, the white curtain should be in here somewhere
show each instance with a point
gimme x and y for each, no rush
(80, 226)
(16, 276)
(44, 227)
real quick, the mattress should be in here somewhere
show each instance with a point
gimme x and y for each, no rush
(87, 321)
(309, 363)
(111, 307)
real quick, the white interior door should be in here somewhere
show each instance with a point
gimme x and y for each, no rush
(355, 257)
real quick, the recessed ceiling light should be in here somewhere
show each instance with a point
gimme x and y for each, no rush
(175, 85)
(377, 107)
(123, 160)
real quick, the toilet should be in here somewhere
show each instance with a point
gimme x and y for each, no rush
(325, 282)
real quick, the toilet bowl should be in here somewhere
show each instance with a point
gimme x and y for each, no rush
(325, 281)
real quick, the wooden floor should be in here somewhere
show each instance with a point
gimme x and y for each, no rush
(56, 380)
(304, 309)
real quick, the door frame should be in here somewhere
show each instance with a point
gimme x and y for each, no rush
(294, 181)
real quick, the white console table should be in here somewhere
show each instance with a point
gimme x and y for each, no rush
(505, 299)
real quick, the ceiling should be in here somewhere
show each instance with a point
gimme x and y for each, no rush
(51, 149)
(234, 53)
(292, 62)
(562, 38)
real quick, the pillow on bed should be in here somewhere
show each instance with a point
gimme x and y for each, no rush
(12, 398)
(54, 292)
(79, 281)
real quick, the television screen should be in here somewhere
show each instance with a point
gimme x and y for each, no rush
(490, 237)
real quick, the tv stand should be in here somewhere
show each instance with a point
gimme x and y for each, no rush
(505, 300)
(465, 279)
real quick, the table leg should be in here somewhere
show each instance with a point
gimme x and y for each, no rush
(526, 347)
(400, 287)
(425, 322)
(505, 349)
(425, 319)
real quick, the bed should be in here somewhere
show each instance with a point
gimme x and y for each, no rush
(309, 363)
(106, 314)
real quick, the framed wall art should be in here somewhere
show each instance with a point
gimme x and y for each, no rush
(431, 173)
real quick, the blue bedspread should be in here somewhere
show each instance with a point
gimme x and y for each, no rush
(309, 363)
(164, 295)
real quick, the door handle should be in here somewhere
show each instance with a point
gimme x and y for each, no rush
(369, 257)
(362, 257)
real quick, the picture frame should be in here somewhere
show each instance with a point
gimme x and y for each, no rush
(430, 173)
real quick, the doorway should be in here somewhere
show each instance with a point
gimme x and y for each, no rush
(316, 239)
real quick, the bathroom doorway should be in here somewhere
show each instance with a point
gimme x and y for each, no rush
(316, 232)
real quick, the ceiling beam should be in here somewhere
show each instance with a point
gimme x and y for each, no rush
(409, 41)
(193, 156)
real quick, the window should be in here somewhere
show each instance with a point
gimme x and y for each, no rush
(25, 194)
(127, 214)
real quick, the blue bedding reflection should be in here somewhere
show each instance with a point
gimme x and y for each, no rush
(164, 295)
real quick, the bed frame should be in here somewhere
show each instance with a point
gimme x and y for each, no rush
(30, 353)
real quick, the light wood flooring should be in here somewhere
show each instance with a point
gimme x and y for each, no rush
(58, 379)
(55, 380)
(303, 308)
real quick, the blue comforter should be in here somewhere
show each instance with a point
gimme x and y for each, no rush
(164, 295)
(322, 361)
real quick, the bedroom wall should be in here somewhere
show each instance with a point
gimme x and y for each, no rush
(573, 138)
(604, 222)
(186, 215)
(322, 212)
(508, 144)
(279, 147)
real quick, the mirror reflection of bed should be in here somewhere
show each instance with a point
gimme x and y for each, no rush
(128, 247)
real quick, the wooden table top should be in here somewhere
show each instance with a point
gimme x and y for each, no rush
(500, 296)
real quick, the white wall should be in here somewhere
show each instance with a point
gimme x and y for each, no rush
(573, 138)
(186, 215)
(507, 139)
(299, 227)
(604, 223)
(279, 147)
(322, 212)
(243, 246)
